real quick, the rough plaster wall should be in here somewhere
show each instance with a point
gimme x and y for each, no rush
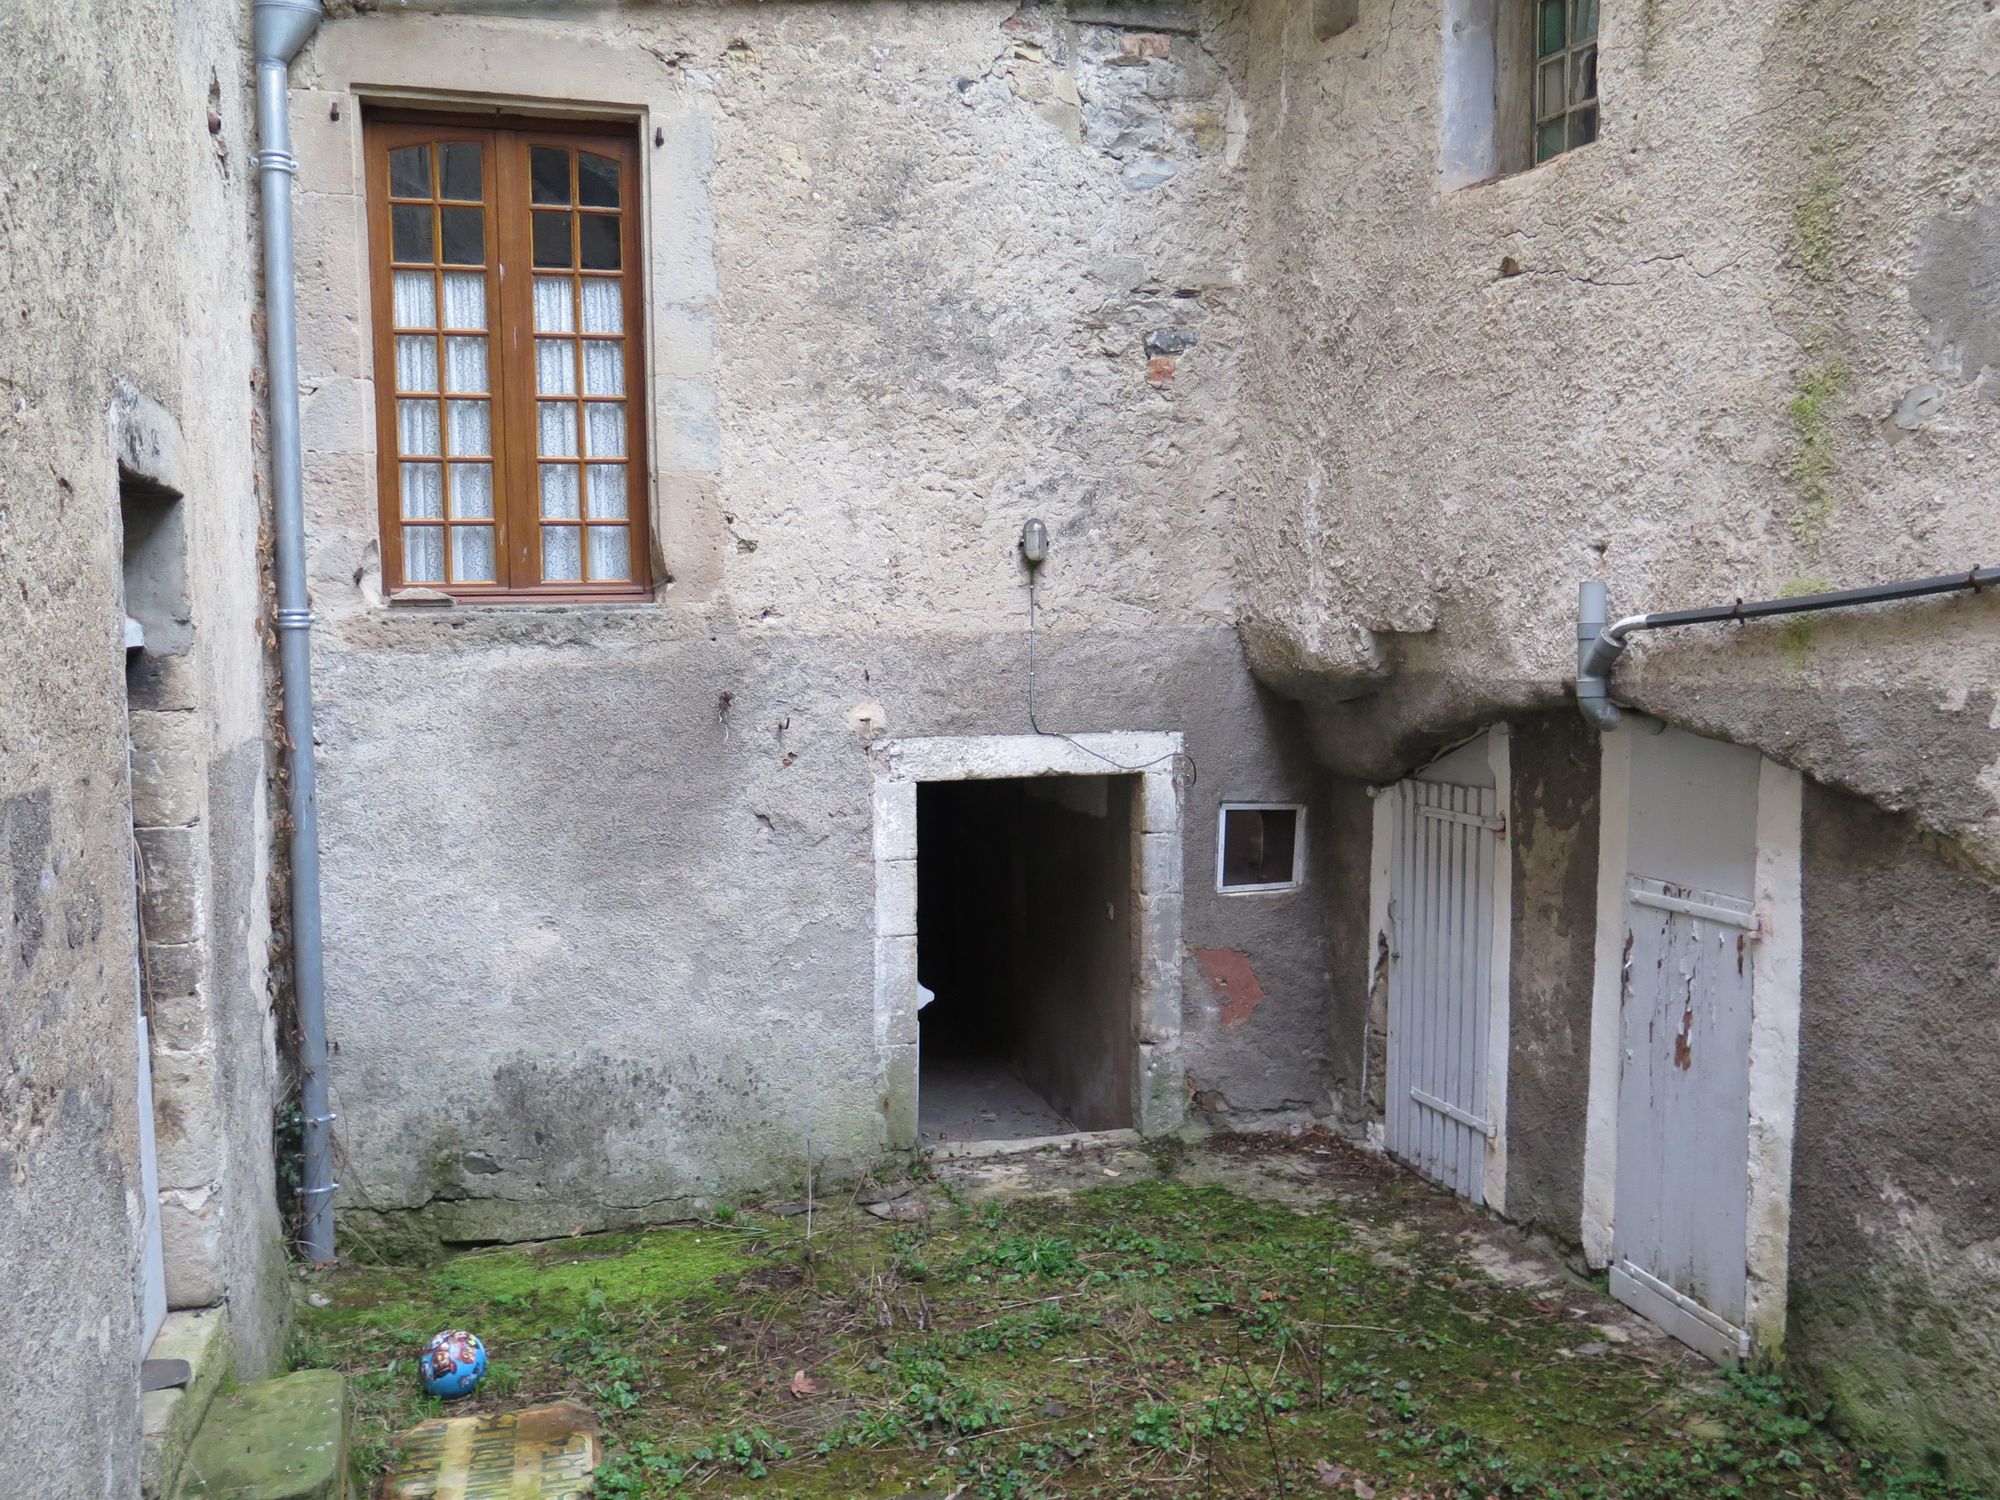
(1895, 1251)
(901, 303)
(125, 214)
(1357, 1015)
(1552, 825)
(1742, 345)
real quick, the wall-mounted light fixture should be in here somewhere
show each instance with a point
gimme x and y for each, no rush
(1034, 543)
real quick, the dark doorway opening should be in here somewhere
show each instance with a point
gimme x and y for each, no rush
(1024, 938)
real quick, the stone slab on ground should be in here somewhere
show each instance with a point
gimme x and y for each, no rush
(283, 1439)
(537, 1453)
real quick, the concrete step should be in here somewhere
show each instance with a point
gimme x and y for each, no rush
(170, 1418)
(283, 1439)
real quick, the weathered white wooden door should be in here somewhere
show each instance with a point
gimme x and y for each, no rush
(1684, 1114)
(1441, 981)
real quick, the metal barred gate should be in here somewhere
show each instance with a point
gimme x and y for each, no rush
(1441, 981)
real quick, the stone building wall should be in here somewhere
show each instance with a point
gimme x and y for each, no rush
(1741, 346)
(128, 288)
(601, 914)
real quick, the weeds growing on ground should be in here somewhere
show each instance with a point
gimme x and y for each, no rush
(1163, 1335)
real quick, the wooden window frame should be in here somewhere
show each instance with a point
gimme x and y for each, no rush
(1572, 67)
(507, 141)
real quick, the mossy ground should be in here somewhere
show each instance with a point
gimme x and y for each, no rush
(1243, 1318)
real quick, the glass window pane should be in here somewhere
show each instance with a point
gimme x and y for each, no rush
(557, 426)
(603, 305)
(410, 172)
(1583, 75)
(603, 368)
(552, 239)
(471, 491)
(465, 299)
(1548, 140)
(465, 364)
(423, 492)
(410, 233)
(559, 491)
(1583, 126)
(610, 556)
(607, 492)
(458, 171)
(555, 367)
(1585, 25)
(598, 242)
(596, 181)
(604, 429)
(471, 427)
(1551, 29)
(472, 554)
(562, 553)
(423, 554)
(548, 167)
(417, 428)
(416, 300)
(464, 236)
(1549, 89)
(553, 312)
(416, 362)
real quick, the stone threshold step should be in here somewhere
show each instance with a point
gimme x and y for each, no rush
(170, 1417)
(283, 1439)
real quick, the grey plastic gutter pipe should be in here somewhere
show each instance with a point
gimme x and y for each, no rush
(1598, 645)
(279, 28)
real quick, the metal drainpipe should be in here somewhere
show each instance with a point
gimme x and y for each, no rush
(279, 28)
(1598, 645)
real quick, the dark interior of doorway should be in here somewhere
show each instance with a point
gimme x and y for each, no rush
(1024, 936)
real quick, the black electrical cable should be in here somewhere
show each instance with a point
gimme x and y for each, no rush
(1194, 771)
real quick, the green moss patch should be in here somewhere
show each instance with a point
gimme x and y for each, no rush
(1239, 1319)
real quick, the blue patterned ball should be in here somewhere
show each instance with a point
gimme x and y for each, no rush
(453, 1364)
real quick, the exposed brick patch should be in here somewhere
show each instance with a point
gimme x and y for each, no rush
(1234, 982)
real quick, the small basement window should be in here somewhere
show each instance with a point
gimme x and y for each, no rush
(1260, 847)
(1565, 76)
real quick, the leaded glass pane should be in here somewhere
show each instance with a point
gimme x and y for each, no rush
(1584, 27)
(1583, 126)
(1548, 140)
(1549, 90)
